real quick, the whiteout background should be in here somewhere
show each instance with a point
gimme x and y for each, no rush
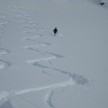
(39, 70)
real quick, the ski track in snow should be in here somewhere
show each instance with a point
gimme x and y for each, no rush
(4, 64)
(30, 27)
(3, 22)
(38, 42)
(48, 99)
(34, 48)
(4, 51)
(64, 84)
(7, 95)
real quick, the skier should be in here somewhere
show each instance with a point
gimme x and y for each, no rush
(55, 31)
(101, 3)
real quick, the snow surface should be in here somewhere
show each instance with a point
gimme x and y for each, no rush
(40, 70)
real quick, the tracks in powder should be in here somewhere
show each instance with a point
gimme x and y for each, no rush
(33, 32)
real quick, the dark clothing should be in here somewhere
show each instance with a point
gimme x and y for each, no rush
(101, 3)
(55, 31)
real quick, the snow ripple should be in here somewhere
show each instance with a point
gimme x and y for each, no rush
(3, 20)
(4, 51)
(4, 64)
(5, 96)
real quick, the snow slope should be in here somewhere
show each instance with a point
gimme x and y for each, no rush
(39, 70)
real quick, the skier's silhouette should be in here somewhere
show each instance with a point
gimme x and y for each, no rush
(55, 31)
(101, 3)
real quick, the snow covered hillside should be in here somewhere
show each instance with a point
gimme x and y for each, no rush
(40, 70)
